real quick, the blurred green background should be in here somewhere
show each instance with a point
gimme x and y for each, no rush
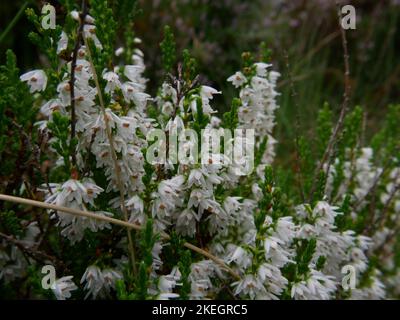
(303, 33)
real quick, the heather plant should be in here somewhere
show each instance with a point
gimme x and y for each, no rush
(101, 198)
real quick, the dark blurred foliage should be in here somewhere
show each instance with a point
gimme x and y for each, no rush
(216, 32)
(303, 33)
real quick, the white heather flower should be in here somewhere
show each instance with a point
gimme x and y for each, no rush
(238, 79)
(168, 92)
(215, 122)
(93, 280)
(273, 77)
(275, 252)
(62, 43)
(320, 286)
(285, 229)
(200, 278)
(89, 32)
(36, 80)
(136, 207)
(83, 73)
(186, 222)
(167, 283)
(251, 286)
(129, 89)
(205, 105)
(51, 106)
(133, 73)
(110, 277)
(140, 99)
(207, 92)
(364, 242)
(218, 219)
(88, 18)
(259, 83)
(175, 125)
(240, 256)
(257, 191)
(64, 93)
(75, 15)
(232, 205)
(62, 287)
(274, 282)
(155, 252)
(138, 52)
(99, 283)
(112, 81)
(92, 191)
(168, 108)
(169, 190)
(196, 177)
(32, 231)
(167, 296)
(197, 196)
(14, 265)
(271, 242)
(261, 68)
(119, 51)
(325, 211)
(76, 194)
(299, 290)
(359, 259)
(258, 97)
(366, 174)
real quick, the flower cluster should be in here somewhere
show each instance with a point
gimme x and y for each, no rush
(207, 231)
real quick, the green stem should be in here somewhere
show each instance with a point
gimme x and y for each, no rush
(13, 21)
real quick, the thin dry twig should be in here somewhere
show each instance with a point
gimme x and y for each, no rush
(382, 219)
(125, 224)
(345, 105)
